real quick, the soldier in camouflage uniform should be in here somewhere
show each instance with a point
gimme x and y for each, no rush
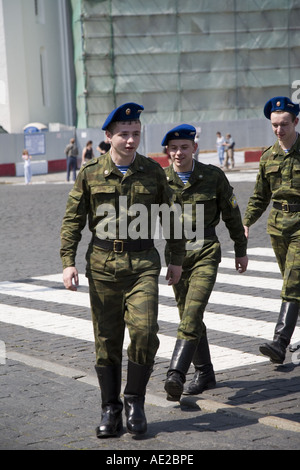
(122, 270)
(196, 184)
(279, 179)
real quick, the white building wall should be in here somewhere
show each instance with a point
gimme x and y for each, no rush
(4, 103)
(35, 56)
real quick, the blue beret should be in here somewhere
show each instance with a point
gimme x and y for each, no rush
(125, 112)
(184, 131)
(280, 103)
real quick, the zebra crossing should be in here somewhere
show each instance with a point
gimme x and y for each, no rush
(262, 276)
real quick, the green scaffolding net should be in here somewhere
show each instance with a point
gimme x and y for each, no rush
(197, 60)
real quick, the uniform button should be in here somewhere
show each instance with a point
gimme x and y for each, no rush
(106, 172)
(141, 167)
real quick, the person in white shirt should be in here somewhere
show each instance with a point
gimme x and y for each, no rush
(27, 166)
(220, 147)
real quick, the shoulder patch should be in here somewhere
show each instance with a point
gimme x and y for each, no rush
(233, 201)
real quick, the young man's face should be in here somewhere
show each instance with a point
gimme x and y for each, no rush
(283, 125)
(181, 153)
(125, 138)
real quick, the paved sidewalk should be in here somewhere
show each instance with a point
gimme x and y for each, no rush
(49, 394)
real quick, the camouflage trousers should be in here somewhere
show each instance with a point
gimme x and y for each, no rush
(193, 290)
(287, 251)
(131, 303)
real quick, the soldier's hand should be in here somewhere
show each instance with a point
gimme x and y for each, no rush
(241, 264)
(246, 231)
(173, 274)
(70, 278)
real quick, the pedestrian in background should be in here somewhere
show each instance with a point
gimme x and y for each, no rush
(27, 166)
(71, 152)
(103, 147)
(278, 180)
(122, 271)
(87, 153)
(195, 183)
(229, 151)
(220, 147)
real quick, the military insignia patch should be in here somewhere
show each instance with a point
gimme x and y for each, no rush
(233, 201)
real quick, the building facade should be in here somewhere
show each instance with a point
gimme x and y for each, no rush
(37, 80)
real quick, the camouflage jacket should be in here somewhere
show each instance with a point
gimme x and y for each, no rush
(96, 194)
(209, 186)
(278, 180)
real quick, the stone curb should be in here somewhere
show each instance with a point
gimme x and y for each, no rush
(188, 401)
(217, 407)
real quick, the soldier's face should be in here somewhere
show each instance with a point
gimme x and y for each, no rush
(181, 153)
(125, 138)
(283, 126)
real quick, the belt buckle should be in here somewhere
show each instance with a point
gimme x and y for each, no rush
(285, 207)
(116, 248)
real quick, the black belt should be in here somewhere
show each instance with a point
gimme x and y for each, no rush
(286, 207)
(118, 246)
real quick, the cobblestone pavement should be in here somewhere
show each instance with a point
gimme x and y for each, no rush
(48, 390)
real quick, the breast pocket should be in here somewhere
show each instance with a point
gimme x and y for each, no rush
(103, 194)
(199, 209)
(103, 199)
(144, 194)
(273, 175)
(296, 175)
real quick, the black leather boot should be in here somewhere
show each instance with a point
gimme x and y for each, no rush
(179, 365)
(284, 329)
(109, 378)
(134, 397)
(204, 377)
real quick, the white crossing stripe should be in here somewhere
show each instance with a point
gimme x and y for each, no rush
(223, 358)
(244, 280)
(253, 265)
(49, 294)
(258, 251)
(58, 324)
(236, 300)
(46, 294)
(58, 278)
(228, 323)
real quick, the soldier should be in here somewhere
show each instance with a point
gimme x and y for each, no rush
(279, 179)
(197, 184)
(122, 270)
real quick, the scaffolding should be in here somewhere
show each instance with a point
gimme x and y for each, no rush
(191, 61)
